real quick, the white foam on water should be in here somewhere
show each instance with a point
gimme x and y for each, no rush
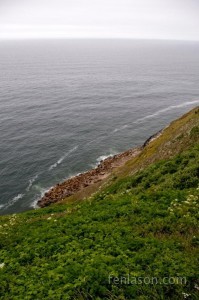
(101, 138)
(72, 176)
(31, 181)
(42, 193)
(60, 160)
(13, 200)
(95, 140)
(2, 206)
(120, 128)
(159, 112)
(103, 157)
(34, 204)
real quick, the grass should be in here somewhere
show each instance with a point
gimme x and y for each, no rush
(143, 223)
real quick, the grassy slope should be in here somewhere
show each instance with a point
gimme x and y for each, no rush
(143, 222)
(174, 139)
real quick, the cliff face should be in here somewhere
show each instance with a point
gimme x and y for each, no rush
(164, 144)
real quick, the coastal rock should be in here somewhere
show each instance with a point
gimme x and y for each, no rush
(75, 184)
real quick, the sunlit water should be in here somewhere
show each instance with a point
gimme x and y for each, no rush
(64, 105)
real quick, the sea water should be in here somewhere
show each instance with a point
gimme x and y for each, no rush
(66, 104)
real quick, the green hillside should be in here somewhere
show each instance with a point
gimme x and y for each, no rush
(134, 238)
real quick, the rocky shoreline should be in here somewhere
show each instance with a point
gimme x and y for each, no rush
(77, 183)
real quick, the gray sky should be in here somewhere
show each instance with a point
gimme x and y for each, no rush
(156, 19)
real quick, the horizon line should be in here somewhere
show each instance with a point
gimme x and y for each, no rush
(95, 38)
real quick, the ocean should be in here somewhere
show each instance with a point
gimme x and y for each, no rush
(67, 104)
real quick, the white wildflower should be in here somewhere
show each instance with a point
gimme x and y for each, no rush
(186, 295)
(2, 265)
(196, 287)
(49, 218)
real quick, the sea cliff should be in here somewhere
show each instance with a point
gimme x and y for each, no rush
(104, 169)
(163, 144)
(102, 243)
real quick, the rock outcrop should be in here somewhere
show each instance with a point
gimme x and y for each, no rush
(75, 184)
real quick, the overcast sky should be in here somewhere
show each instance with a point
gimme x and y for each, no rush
(153, 19)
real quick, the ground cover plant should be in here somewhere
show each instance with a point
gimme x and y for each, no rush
(141, 226)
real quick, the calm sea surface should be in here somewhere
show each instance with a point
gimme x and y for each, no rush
(66, 104)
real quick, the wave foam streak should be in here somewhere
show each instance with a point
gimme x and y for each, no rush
(62, 158)
(13, 201)
(159, 112)
(31, 181)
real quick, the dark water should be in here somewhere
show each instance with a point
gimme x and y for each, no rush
(65, 104)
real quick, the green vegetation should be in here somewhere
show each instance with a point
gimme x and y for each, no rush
(195, 131)
(140, 225)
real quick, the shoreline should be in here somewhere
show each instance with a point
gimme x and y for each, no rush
(77, 183)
